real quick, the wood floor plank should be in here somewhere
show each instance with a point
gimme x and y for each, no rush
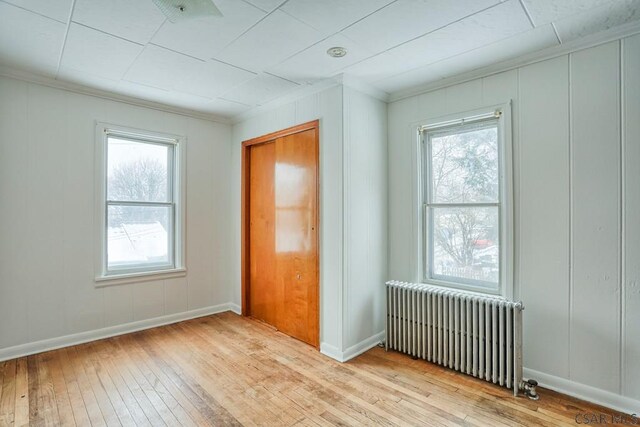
(21, 414)
(60, 389)
(190, 403)
(152, 395)
(78, 407)
(122, 364)
(226, 370)
(48, 406)
(34, 391)
(119, 392)
(90, 401)
(169, 400)
(83, 358)
(7, 399)
(3, 364)
(227, 406)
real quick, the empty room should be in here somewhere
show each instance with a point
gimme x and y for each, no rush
(319, 212)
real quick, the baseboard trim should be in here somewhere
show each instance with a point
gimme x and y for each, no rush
(353, 351)
(362, 346)
(331, 351)
(585, 392)
(112, 331)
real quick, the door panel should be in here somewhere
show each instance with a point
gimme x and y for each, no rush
(296, 234)
(265, 298)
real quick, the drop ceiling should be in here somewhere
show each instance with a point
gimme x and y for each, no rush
(262, 50)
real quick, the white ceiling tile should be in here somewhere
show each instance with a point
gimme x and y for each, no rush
(205, 37)
(98, 54)
(314, 64)
(223, 107)
(405, 20)
(260, 89)
(161, 68)
(545, 11)
(377, 67)
(598, 19)
(84, 79)
(54, 9)
(491, 25)
(29, 41)
(270, 42)
(330, 16)
(266, 5)
(132, 20)
(520, 44)
(212, 78)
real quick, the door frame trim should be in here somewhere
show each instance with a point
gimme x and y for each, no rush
(244, 198)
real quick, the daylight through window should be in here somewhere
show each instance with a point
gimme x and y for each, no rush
(463, 204)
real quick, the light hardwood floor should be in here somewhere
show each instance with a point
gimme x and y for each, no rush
(228, 370)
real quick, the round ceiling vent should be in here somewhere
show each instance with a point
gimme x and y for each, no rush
(336, 52)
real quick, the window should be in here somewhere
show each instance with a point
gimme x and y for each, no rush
(141, 206)
(465, 208)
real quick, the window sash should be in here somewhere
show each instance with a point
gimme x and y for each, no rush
(172, 178)
(453, 281)
(146, 266)
(451, 128)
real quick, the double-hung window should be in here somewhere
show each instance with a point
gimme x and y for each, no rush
(141, 203)
(465, 218)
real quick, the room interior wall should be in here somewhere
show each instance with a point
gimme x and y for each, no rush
(576, 144)
(353, 205)
(365, 219)
(48, 296)
(326, 106)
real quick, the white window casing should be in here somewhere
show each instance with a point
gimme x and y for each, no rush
(173, 205)
(487, 118)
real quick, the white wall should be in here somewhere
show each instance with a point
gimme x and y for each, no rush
(576, 178)
(353, 205)
(47, 287)
(365, 218)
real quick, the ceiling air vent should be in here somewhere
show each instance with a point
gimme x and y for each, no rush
(182, 10)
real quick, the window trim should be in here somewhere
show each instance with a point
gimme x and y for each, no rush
(502, 112)
(177, 187)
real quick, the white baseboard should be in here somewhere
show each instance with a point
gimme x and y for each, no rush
(362, 346)
(353, 351)
(331, 351)
(585, 392)
(112, 331)
(235, 308)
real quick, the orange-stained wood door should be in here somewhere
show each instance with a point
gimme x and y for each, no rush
(264, 295)
(281, 278)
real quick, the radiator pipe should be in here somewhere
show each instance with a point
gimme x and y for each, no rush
(528, 387)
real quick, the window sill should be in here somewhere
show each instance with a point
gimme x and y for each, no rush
(147, 276)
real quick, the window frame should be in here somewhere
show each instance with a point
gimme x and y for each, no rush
(502, 115)
(176, 187)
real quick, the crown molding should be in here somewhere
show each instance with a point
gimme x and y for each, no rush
(586, 42)
(111, 96)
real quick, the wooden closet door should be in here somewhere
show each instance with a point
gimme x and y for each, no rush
(265, 296)
(280, 231)
(296, 234)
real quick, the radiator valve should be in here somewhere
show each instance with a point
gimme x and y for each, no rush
(529, 388)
